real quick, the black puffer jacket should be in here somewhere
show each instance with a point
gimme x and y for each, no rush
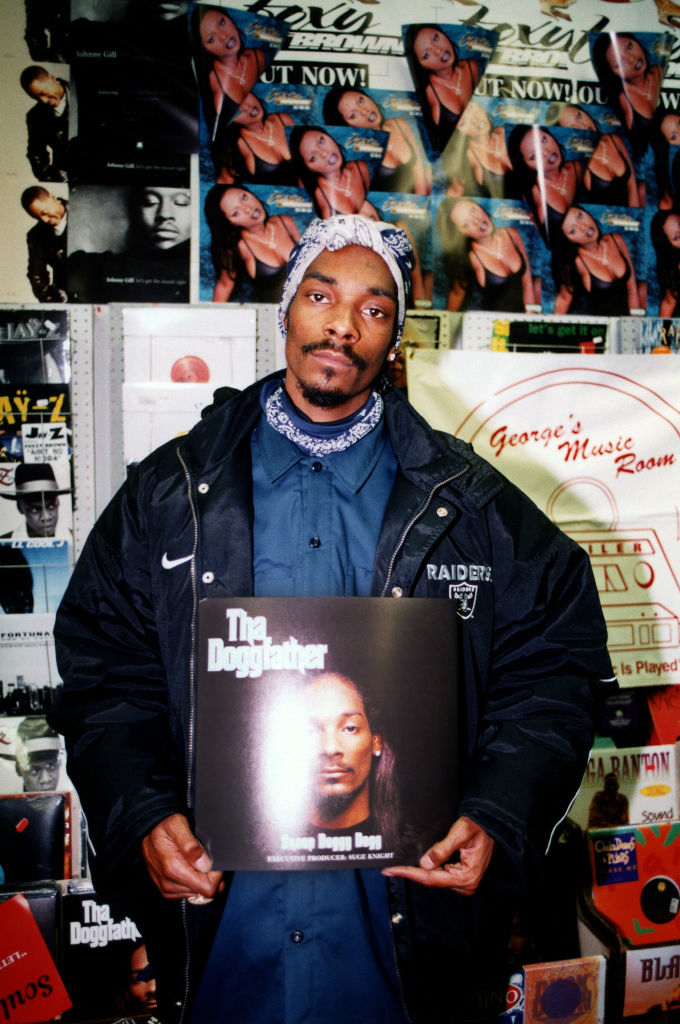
(533, 654)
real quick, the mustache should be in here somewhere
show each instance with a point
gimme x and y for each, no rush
(328, 346)
(332, 761)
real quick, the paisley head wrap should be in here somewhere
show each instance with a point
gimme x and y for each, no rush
(350, 229)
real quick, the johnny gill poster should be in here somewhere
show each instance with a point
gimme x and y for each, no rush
(327, 731)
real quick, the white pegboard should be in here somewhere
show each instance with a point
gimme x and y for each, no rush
(84, 468)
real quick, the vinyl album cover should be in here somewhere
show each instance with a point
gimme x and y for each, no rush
(135, 90)
(189, 346)
(565, 990)
(129, 241)
(548, 166)
(43, 900)
(630, 68)
(32, 756)
(253, 147)
(24, 409)
(103, 959)
(327, 730)
(36, 490)
(33, 574)
(405, 166)
(231, 50)
(337, 165)
(35, 837)
(664, 709)
(487, 255)
(636, 881)
(628, 786)
(446, 64)
(30, 986)
(29, 675)
(652, 980)
(247, 235)
(34, 346)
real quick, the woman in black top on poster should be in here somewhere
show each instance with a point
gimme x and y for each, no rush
(444, 82)
(476, 250)
(245, 238)
(592, 269)
(404, 167)
(334, 184)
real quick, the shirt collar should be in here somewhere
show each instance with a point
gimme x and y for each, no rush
(353, 466)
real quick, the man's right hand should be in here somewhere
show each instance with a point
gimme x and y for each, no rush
(177, 862)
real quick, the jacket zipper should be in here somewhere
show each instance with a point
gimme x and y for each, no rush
(192, 714)
(413, 520)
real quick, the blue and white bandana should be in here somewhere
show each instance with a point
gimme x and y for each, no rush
(350, 229)
(318, 438)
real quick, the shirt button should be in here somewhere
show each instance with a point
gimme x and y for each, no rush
(297, 935)
(208, 577)
(316, 467)
(441, 511)
(315, 542)
(397, 919)
(203, 488)
(397, 592)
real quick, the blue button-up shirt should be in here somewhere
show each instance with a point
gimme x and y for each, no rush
(312, 947)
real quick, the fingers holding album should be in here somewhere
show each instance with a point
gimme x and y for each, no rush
(458, 862)
(177, 863)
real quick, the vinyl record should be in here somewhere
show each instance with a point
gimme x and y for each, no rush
(190, 370)
(660, 899)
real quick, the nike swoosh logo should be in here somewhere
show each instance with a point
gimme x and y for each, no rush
(170, 563)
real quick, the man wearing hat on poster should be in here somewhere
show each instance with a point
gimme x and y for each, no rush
(322, 480)
(36, 493)
(37, 755)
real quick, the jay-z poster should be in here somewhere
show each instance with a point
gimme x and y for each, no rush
(327, 731)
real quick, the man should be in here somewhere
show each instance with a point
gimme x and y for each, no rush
(46, 243)
(154, 265)
(46, 123)
(609, 808)
(37, 755)
(325, 481)
(352, 762)
(141, 990)
(36, 493)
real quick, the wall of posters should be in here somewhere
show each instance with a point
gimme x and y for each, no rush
(135, 112)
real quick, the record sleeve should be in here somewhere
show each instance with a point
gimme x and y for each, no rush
(35, 837)
(635, 881)
(103, 959)
(327, 731)
(628, 785)
(30, 986)
(564, 990)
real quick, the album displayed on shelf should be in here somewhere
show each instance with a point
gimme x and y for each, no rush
(327, 730)
(35, 836)
(628, 786)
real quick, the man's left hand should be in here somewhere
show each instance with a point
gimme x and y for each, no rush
(475, 848)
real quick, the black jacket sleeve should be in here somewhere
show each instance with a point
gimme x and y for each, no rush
(113, 708)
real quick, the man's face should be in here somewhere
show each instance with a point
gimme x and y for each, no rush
(47, 209)
(344, 745)
(47, 89)
(142, 987)
(166, 216)
(42, 775)
(340, 329)
(41, 512)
